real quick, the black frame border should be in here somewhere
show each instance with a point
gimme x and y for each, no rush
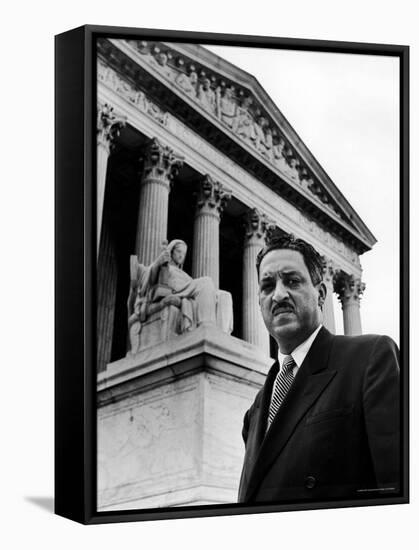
(75, 269)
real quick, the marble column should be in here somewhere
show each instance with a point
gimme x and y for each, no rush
(328, 278)
(108, 128)
(350, 290)
(107, 275)
(160, 166)
(211, 200)
(254, 330)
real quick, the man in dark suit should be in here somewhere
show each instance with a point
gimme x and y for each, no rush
(326, 422)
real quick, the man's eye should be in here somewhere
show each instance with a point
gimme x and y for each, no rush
(265, 286)
(293, 282)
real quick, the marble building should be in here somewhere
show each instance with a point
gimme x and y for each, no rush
(190, 147)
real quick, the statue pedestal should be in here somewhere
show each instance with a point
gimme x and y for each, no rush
(170, 420)
(165, 324)
(159, 327)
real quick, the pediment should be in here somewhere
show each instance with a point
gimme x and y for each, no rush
(234, 105)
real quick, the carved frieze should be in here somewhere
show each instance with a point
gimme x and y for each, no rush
(298, 218)
(244, 127)
(206, 95)
(243, 122)
(235, 107)
(188, 81)
(113, 80)
(160, 60)
(320, 194)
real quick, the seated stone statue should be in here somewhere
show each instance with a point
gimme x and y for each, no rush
(163, 284)
(188, 83)
(243, 123)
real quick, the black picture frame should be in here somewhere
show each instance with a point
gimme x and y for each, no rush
(75, 283)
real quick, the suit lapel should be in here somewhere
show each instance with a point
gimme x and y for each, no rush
(259, 415)
(312, 379)
(264, 404)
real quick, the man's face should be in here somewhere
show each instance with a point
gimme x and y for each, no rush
(178, 254)
(289, 301)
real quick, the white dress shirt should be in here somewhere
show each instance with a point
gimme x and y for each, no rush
(298, 354)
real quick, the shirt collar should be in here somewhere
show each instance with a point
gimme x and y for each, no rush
(300, 352)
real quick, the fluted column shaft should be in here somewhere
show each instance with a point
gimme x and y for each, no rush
(108, 128)
(350, 291)
(160, 165)
(206, 251)
(351, 319)
(106, 298)
(328, 311)
(152, 218)
(211, 199)
(254, 330)
(102, 166)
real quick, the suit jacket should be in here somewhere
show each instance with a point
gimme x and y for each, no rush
(336, 434)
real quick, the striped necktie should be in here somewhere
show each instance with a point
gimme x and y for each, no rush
(283, 382)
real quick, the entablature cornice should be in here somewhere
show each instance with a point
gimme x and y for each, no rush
(135, 67)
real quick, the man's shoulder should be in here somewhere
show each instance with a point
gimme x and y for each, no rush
(362, 341)
(360, 359)
(363, 350)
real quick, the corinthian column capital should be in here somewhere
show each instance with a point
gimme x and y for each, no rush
(348, 288)
(212, 196)
(160, 162)
(256, 226)
(108, 125)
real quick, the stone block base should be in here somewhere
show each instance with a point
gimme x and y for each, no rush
(170, 420)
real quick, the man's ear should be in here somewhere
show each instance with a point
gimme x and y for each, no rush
(322, 294)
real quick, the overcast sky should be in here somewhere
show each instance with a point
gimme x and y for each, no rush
(346, 109)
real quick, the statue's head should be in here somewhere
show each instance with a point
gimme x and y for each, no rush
(247, 101)
(178, 249)
(193, 77)
(228, 92)
(162, 59)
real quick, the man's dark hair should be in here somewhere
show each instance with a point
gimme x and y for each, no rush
(312, 258)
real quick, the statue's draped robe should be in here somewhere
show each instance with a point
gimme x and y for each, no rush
(198, 296)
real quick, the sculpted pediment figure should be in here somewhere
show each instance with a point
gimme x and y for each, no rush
(293, 170)
(243, 123)
(226, 105)
(279, 155)
(160, 61)
(188, 83)
(263, 137)
(206, 95)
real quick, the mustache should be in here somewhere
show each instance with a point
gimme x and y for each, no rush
(281, 307)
